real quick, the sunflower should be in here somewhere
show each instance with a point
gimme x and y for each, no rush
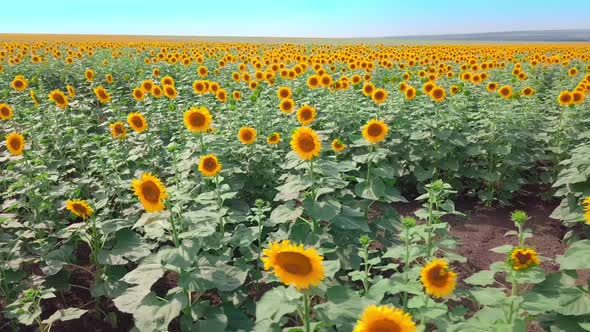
(337, 145)
(492, 86)
(247, 135)
(306, 143)
(403, 86)
(573, 71)
(523, 258)
(203, 71)
(59, 98)
(438, 94)
(137, 122)
(170, 91)
(578, 97)
(454, 89)
(197, 119)
(428, 87)
(15, 142)
(236, 95)
(71, 91)
(410, 93)
(199, 87)
(586, 205)
(438, 279)
(284, 92)
(273, 138)
(305, 114)
(167, 80)
(528, 91)
(79, 208)
(157, 91)
(109, 78)
(505, 91)
(565, 98)
(313, 82)
(379, 96)
(147, 86)
(118, 130)
(221, 95)
(287, 105)
(102, 94)
(294, 264)
(150, 191)
(89, 75)
(368, 89)
(6, 112)
(326, 80)
(209, 165)
(213, 87)
(19, 83)
(375, 131)
(384, 319)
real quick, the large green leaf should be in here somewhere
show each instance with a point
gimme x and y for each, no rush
(577, 256)
(274, 305)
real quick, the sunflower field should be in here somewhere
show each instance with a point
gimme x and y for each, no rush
(155, 185)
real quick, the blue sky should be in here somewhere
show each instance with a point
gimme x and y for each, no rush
(290, 18)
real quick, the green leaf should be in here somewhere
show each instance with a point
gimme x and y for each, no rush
(325, 210)
(210, 275)
(481, 278)
(503, 249)
(577, 256)
(147, 273)
(64, 315)
(285, 213)
(274, 305)
(351, 219)
(343, 307)
(488, 296)
(129, 247)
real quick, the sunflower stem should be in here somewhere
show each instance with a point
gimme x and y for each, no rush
(513, 293)
(306, 320)
(406, 265)
(429, 225)
(219, 205)
(313, 184)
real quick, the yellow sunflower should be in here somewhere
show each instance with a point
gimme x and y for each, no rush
(170, 91)
(287, 105)
(59, 98)
(150, 191)
(384, 319)
(147, 86)
(438, 94)
(375, 131)
(19, 83)
(89, 75)
(79, 208)
(293, 264)
(209, 165)
(410, 92)
(15, 142)
(71, 91)
(306, 114)
(197, 119)
(523, 258)
(221, 95)
(109, 78)
(586, 205)
(138, 94)
(379, 96)
(528, 91)
(167, 80)
(284, 92)
(306, 143)
(6, 112)
(313, 82)
(118, 130)
(102, 94)
(505, 91)
(273, 138)
(565, 98)
(137, 121)
(437, 278)
(157, 91)
(236, 95)
(337, 145)
(578, 97)
(247, 135)
(368, 89)
(492, 86)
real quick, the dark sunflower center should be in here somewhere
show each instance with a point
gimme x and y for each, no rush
(306, 142)
(137, 121)
(337, 145)
(437, 93)
(438, 276)
(577, 97)
(150, 191)
(246, 135)
(147, 86)
(523, 258)
(287, 105)
(170, 91)
(428, 88)
(4, 111)
(384, 325)
(197, 119)
(374, 130)
(118, 130)
(58, 98)
(138, 93)
(378, 95)
(15, 143)
(102, 94)
(410, 93)
(284, 93)
(79, 208)
(18, 83)
(294, 263)
(306, 114)
(566, 98)
(313, 81)
(209, 164)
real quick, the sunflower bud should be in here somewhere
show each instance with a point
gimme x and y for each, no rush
(409, 222)
(364, 240)
(519, 217)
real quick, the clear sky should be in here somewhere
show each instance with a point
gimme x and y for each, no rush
(290, 18)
